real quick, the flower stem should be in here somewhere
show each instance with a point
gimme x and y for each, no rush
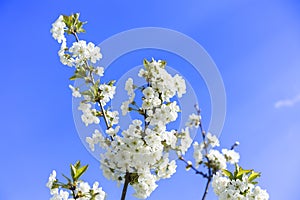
(126, 183)
(93, 82)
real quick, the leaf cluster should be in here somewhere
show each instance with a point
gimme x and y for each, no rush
(74, 25)
(239, 173)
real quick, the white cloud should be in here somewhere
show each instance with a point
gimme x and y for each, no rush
(287, 102)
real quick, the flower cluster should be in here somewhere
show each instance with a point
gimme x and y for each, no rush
(139, 155)
(240, 187)
(75, 188)
(205, 154)
(80, 52)
(142, 150)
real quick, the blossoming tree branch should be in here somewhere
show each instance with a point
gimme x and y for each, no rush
(140, 155)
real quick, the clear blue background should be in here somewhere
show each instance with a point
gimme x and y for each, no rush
(255, 44)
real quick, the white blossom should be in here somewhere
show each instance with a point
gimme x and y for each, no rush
(217, 160)
(198, 156)
(88, 116)
(83, 52)
(113, 117)
(94, 52)
(101, 194)
(186, 141)
(107, 92)
(148, 93)
(58, 30)
(51, 180)
(231, 156)
(212, 140)
(125, 107)
(97, 138)
(59, 195)
(194, 121)
(99, 71)
(227, 189)
(75, 91)
(179, 84)
(129, 87)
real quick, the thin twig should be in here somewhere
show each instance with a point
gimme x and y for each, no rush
(206, 188)
(194, 168)
(210, 174)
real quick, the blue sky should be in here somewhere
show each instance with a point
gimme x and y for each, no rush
(255, 44)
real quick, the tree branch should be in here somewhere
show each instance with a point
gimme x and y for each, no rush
(126, 183)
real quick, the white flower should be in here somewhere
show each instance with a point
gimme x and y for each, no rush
(51, 180)
(129, 87)
(125, 107)
(212, 140)
(84, 52)
(59, 195)
(198, 156)
(101, 194)
(169, 138)
(99, 71)
(216, 159)
(231, 156)
(65, 59)
(113, 117)
(94, 52)
(179, 84)
(194, 121)
(219, 183)
(58, 30)
(79, 50)
(84, 187)
(227, 189)
(186, 140)
(97, 138)
(148, 93)
(88, 116)
(107, 92)
(113, 131)
(75, 91)
(260, 194)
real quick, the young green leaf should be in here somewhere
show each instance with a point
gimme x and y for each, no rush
(228, 173)
(80, 171)
(73, 171)
(253, 176)
(77, 164)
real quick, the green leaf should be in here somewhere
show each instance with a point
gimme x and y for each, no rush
(243, 171)
(73, 171)
(228, 173)
(80, 171)
(236, 171)
(74, 77)
(145, 62)
(77, 164)
(253, 176)
(111, 83)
